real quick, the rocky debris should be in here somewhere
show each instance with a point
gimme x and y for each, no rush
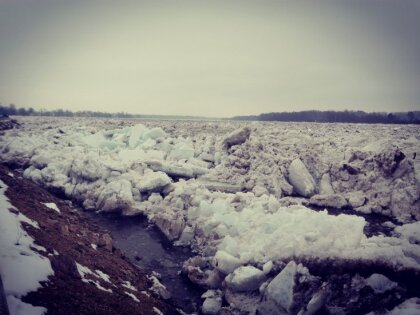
(245, 278)
(105, 241)
(300, 178)
(237, 137)
(66, 264)
(332, 201)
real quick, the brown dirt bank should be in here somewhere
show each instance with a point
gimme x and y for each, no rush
(68, 237)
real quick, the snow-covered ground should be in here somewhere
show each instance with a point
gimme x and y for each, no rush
(22, 268)
(241, 194)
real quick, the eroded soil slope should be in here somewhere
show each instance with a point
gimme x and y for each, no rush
(72, 242)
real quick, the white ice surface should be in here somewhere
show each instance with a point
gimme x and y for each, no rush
(263, 232)
(108, 166)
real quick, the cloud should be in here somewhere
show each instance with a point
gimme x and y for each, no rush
(214, 59)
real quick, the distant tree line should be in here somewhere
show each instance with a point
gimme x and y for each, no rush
(346, 116)
(412, 117)
(12, 110)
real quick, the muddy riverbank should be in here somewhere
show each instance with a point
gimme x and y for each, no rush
(145, 246)
(91, 275)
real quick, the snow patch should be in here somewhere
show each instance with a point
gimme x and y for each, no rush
(158, 288)
(103, 275)
(408, 307)
(17, 307)
(51, 205)
(132, 296)
(83, 271)
(128, 285)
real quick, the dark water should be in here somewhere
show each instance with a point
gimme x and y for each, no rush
(137, 239)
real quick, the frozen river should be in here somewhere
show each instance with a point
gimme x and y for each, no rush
(242, 196)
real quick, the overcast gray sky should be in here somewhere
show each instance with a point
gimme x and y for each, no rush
(210, 58)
